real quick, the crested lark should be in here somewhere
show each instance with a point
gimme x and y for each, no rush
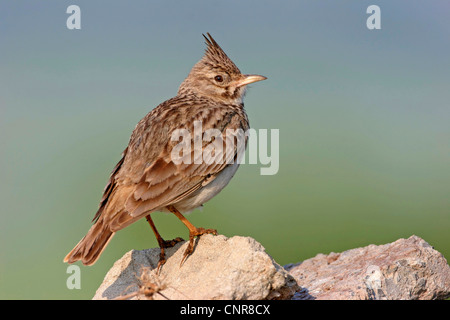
(147, 179)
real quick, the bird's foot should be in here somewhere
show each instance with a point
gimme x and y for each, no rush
(163, 244)
(171, 243)
(197, 232)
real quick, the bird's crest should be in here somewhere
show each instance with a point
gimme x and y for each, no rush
(216, 56)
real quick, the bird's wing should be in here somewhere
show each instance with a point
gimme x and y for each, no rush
(110, 187)
(165, 181)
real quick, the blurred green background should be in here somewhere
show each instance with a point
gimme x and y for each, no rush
(363, 118)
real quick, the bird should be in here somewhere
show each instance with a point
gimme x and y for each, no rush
(149, 178)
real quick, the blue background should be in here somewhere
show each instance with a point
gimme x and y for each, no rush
(363, 118)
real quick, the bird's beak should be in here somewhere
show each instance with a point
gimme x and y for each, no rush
(250, 78)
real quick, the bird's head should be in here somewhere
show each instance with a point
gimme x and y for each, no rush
(215, 76)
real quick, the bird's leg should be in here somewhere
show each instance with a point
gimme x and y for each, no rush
(162, 243)
(193, 231)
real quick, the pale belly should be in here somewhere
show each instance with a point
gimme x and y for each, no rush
(207, 192)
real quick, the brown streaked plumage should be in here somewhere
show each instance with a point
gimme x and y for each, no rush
(146, 179)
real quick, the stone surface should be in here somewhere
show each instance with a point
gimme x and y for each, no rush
(239, 268)
(405, 269)
(219, 268)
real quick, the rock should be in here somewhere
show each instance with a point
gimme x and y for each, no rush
(239, 268)
(219, 268)
(407, 269)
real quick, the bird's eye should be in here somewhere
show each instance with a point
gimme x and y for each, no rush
(218, 78)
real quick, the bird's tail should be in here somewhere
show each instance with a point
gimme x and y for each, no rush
(89, 248)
